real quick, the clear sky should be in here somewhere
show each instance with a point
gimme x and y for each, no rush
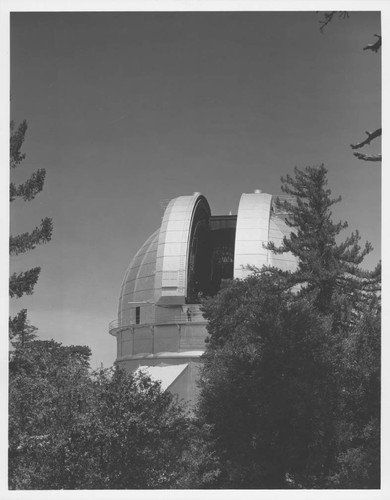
(126, 109)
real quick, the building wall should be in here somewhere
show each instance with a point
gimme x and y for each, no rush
(172, 337)
(186, 386)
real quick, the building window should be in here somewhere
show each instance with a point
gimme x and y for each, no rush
(137, 315)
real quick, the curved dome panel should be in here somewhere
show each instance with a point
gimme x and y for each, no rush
(257, 224)
(252, 233)
(139, 281)
(173, 245)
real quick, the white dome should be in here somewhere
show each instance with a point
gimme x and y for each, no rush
(138, 285)
(160, 326)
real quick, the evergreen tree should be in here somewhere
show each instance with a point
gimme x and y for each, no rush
(23, 283)
(291, 377)
(327, 269)
(269, 386)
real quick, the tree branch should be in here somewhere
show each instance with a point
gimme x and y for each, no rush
(29, 189)
(374, 46)
(28, 241)
(328, 17)
(23, 283)
(370, 136)
(19, 326)
(362, 156)
(16, 142)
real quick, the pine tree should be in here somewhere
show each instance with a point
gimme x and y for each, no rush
(328, 269)
(23, 283)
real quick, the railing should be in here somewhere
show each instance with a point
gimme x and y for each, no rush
(192, 317)
(181, 319)
(113, 325)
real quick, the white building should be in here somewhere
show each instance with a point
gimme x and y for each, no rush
(160, 328)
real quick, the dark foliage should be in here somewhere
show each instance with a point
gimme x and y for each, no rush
(28, 241)
(291, 378)
(16, 141)
(23, 283)
(263, 387)
(73, 429)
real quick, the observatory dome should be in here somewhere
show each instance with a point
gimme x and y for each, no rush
(159, 321)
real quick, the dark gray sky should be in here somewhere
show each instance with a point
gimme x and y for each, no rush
(126, 109)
